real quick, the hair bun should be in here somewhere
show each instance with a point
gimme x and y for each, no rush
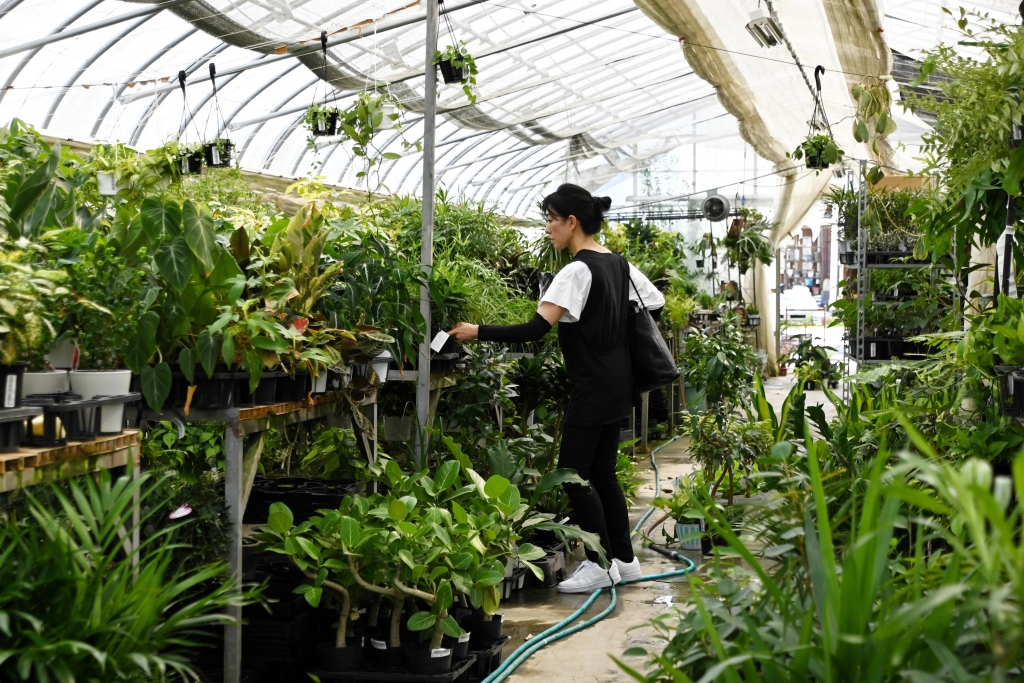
(603, 203)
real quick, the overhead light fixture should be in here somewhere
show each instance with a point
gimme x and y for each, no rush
(763, 27)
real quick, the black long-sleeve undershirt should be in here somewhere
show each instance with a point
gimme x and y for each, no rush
(515, 334)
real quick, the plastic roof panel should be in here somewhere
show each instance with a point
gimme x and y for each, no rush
(578, 90)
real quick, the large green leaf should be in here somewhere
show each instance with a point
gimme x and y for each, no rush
(447, 474)
(349, 533)
(397, 510)
(160, 218)
(208, 350)
(31, 189)
(142, 347)
(421, 621)
(187, 364)
(175, 261)
(156, 385)
(496, 485)
(280, 518)
(198, 230)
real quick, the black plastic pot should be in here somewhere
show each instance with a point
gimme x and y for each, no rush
(290, 389)
(699, 263)
(330, 126)
(450, 73)
(421, 660)
(815, 162)
(192, 163)
(346, 658)
(214, 393)
(459, 646)
(383, 654)
(482, 633)
(266, 390)
(11, 377)
(218, 154)
(11, 434)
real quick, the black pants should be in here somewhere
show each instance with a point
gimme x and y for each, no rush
(601, 508)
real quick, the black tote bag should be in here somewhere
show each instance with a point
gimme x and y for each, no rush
(652, 361)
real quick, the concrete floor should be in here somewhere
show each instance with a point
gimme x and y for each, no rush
(583, 656)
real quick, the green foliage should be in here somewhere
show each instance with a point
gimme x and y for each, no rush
(819, 149)
(745, 243)
(28, 296)
(720, 363)
(873, 121)
(627, 472)
(73, 604)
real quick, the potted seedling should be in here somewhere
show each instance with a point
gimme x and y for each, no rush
(753, 316)
(684, 510)
(191, 158)
(458, 66)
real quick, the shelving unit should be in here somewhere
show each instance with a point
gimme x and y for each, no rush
(240, 469)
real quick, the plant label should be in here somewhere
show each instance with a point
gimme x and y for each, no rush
(11, 391)
(872, 353)
(215, 155)
(320, 126)
(184, 165)
(378, 644)
(464, 637)
(440, 339)
(440, 652)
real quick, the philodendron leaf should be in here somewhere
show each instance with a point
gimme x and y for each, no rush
(198, 230)
(280, 518)
(156, 385)
(187, 364)
(160, 218)
(421, 621)
(143, 346)
(207, 350)
(175, 262)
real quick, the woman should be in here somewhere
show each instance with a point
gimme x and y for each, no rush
(590, 298)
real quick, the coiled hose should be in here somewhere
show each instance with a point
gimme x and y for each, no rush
(559, 630)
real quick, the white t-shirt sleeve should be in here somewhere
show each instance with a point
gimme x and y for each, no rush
(570, 289)
(652, 298)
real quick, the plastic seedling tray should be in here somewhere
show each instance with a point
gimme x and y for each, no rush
(12, 426)
(488, 660)
(459, 672)
(81, 419)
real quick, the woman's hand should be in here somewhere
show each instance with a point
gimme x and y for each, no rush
(464, 331)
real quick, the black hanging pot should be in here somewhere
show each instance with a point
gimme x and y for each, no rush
(339, 659)
(700, 263)
(450, 73)
(324, 127)
(192, 163)
(815, 162)
(218, 154)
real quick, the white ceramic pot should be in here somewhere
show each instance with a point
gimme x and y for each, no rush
(108, 186)
(62, 355)
(91, 383)
(44, 383)
(379, 365)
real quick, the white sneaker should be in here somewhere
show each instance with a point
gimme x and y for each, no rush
(588, 577)
(629, 571)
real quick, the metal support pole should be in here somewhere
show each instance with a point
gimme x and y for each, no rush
(233, 456)
(427, 233)
(778, 305)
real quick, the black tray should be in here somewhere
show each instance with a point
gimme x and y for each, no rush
(12, 426)
(488, 661)
(302, 496)
(458, 673)
(74, 416)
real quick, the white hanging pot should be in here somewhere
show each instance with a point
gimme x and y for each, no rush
(106, 183)
(91, 383)
(320, 383)
(44, 383)
(387, 122)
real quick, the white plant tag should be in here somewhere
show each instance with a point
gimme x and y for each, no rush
(11, 391)
(320, 126)
(378, 644)
(464, 637)
(440, 652)
(440, 339)
(872, 352)
(215, 155)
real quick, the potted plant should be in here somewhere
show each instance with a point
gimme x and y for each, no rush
(28, 296)
(458, 66)
(217, 153)
(191, 158)
(322, 120)
(819, 151)
(685, 510)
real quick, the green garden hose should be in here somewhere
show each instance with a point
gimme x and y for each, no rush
(558, 631)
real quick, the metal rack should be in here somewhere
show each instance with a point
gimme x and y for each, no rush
(240, 468)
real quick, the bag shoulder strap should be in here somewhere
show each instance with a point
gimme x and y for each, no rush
(630, 277)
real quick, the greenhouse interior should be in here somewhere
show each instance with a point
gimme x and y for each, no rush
(282, 400)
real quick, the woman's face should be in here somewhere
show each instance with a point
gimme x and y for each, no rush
(560, 229)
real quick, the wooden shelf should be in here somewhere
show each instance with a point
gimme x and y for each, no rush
(33, 466)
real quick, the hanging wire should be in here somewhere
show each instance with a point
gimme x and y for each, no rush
(219, 121)
(451, 29)
(185, 109)
(819, 117)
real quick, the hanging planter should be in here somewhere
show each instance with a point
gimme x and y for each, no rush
(388, 116)
(218, 153)
(458, 66)
(192, 160)
(108, 184)
(818, 149)
(322, 120)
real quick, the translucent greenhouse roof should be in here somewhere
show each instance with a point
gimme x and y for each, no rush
(568, 89)
(584, 88)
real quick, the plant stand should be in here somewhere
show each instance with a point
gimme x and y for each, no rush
(240, 469)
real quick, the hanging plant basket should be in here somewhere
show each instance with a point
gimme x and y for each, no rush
(451, 73)
(108, 185)
(324, 124)
(192, 162)
(389, 116)
(218, 154)
(816, 162)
